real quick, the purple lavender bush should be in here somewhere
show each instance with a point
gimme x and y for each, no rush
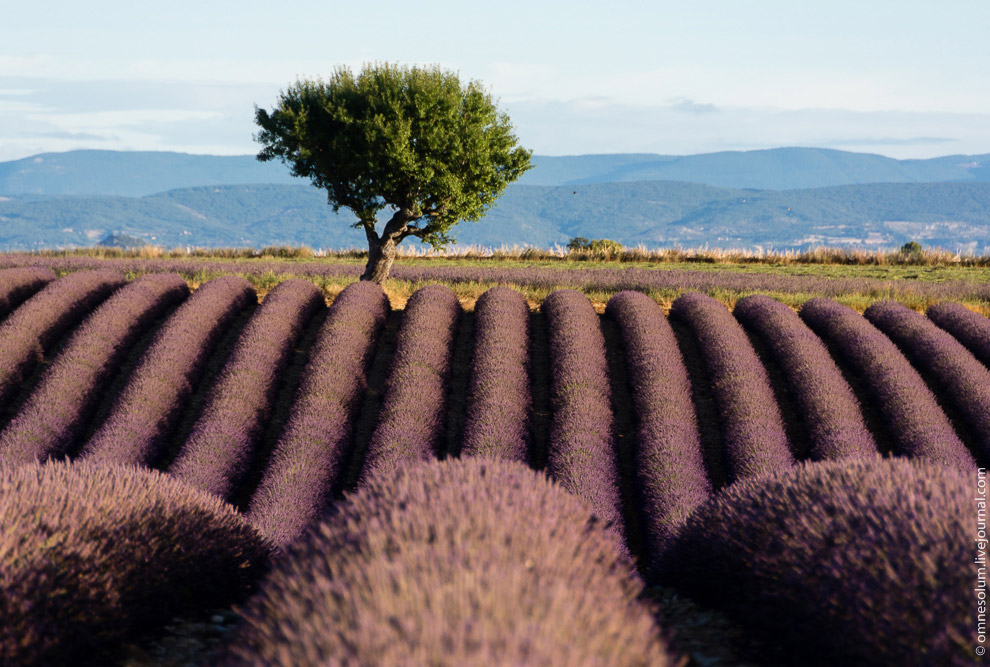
(671, 478)
(30, 331)
(219, 451)
(411, 422)
(832, 416)
(310, 456)
(755, 441)
(18, 284)
(610, 279)
(55, 415)
(916, 423)
(498, 396)
(91, 555)
(969, 328)
(140, 422)
(958, 376)
(464, 561)
(581, 448)
(855, 561)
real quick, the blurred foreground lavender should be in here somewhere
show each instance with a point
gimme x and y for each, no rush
(848, 562)
(474, 561)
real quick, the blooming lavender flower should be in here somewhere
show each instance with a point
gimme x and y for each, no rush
(848, 562)
(30, 331)
(53, 418)
(311, 454)
(498, 396)
(959, 377)
(831, 414)
(916, 423)
(470, 561)
(755, 441)
(16, 285)
(969, 328)
(671, 479)
(217, 455)
(411, 422)
(91, 555)
(581, 454)
(148, 407)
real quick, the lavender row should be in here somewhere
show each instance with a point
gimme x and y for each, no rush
(969, 328)
(960, 379)
(916, 423)
(498, 396)
(54, 417)
(460, 562)
(91, 556)
(16, 285)
(611, 279)
(219, 451)
(754, 439)
(671, 478)
(832, 416)
(31, 330)
(140, 422)
(849, 562)
(411, 422)
(310, 456)
(581, 448)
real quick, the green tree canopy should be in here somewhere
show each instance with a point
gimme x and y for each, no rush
(410, 140)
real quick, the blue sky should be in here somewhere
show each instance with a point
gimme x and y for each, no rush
(906, 79)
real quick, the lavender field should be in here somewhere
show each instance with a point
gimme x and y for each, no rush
(322, 475)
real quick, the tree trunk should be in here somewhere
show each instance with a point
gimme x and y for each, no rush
(381, 254)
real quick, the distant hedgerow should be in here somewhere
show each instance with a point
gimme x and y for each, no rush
(470, 561)
(855, 561)
(92, 555)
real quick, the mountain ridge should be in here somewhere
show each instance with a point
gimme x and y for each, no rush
(140, 173)
(953, 215)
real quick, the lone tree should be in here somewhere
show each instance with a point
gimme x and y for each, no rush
(410, 140)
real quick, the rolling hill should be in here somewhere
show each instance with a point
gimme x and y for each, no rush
(136, 174)
(955, 216)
